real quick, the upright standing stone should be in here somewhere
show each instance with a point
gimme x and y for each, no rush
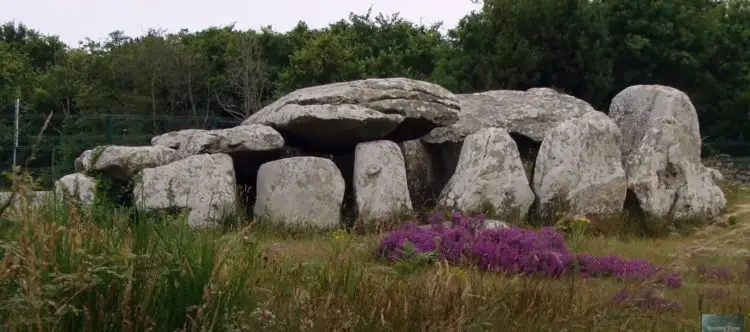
(78, 187)
(203, 184)
(579, 165)
(489, 172)
(661, 149)
(380, 185)
(300, 191)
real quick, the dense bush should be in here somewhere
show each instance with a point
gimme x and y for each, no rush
(163, 81)
(513, 250)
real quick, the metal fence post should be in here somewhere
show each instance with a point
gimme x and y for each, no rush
(15, 142)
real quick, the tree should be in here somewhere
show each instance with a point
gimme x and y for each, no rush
(364, 47)
(519, 45)
(246, 77)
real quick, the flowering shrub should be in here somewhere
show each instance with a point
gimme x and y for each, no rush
(717, 293)
(650, 299)
(715, 273)
(512, 250)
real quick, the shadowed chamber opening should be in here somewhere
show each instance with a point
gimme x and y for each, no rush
(333, 136)
(246, 165)
(528, 149)
(112, 190)
(636, 219)
(633, 207)
(411, 128)
(345, 164)
(444, 159)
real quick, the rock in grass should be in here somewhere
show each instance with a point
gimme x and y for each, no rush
(301, 191)
(579, 167)
(661, 149)
(78, 187)
(489, 174)
(203, 184)
(121, 163)
(380, 185)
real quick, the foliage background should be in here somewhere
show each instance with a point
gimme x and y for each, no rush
(215, 77)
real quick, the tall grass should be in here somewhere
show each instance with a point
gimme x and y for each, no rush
(65, 267)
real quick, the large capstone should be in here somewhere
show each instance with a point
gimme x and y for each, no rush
(338, 116)
(530, 113)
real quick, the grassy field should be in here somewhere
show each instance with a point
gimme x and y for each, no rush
(104, 268)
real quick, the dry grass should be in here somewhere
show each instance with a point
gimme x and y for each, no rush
(65, 268)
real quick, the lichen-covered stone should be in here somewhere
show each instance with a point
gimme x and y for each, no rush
(661, 149)
(123, 162)
(245, 139)
(300, 191)
(203, 184)
(340, 115)
(489, 171)
(530, 113)
(78, 187)
(579, 166)
(380, 187)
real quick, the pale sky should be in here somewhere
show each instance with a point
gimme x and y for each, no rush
(73, 20)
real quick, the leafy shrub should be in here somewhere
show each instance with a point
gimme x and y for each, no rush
(733, 220)
(513, 250)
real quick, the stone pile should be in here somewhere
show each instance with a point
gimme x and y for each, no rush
(381, 147)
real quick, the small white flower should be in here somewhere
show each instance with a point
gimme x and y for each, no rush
(264, 316)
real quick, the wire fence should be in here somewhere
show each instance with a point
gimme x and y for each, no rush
(67, 136)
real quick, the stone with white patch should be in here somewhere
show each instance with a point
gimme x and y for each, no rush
(380, 186)
(489, 174)
(202, 184)
(123, 162)
(579, 167)
(78, 187)
(661, 149)
(300, 191)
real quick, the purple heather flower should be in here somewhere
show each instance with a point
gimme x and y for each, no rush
(436, 219)
(717, 293)
(719, 273)
(672, 280)
(515, 250)
(650, 299)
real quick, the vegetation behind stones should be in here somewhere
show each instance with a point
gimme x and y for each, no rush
(161, 82)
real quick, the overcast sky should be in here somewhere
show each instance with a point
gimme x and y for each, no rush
(73, 20)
